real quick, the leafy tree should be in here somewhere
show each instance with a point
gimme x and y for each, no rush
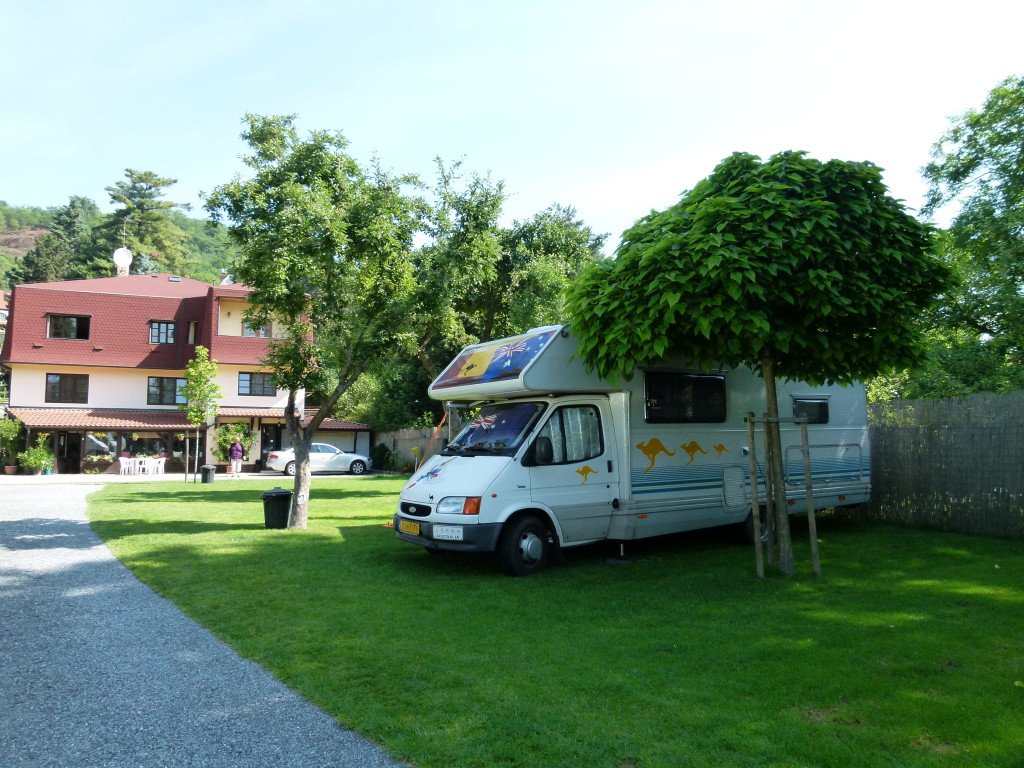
(795, 267)
(325, 246)
(541, 257)
(62, 254)
(202, 395)
(143, 223)
(977, 168)
(52, 259)
(477, 280)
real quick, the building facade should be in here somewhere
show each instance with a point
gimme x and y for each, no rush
(99, 366)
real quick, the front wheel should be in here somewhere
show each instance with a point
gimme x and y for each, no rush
(525, 546)
(357, 467)
(289, 468)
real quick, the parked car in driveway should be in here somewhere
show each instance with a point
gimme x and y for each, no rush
(322, 458)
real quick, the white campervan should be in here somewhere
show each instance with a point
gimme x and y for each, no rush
(557, 457)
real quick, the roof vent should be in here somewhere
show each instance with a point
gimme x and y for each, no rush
(174, 279)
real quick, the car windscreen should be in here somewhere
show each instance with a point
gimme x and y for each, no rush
(497, 428)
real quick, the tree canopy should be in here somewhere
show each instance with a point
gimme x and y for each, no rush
(325, 246)
(809, 264)
(977, 171)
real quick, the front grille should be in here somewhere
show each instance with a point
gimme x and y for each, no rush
(416, 510)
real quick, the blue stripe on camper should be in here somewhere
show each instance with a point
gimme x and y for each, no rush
(674, 479)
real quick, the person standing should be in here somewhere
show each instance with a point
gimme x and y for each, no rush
(235, 453)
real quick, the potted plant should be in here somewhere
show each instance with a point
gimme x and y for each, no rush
(9, 431)
(37, 458)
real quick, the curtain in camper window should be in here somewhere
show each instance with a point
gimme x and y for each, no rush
(575, 434)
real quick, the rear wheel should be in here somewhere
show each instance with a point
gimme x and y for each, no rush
(357, 467)
(525, 546)
(748, 527)
(289, 468)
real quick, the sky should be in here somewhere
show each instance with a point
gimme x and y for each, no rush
(614, 108)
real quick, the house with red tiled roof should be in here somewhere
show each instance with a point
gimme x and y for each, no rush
(99, 365)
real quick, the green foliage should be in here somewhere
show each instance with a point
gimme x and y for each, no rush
(392, 397)
(225, 435)
(66, 251)
(201, 390)
(10, 431)
(210, 250)
(807, 264)
(385, 459)
(19, 216)
(325, 246)
(143, 224)
(37, 457)
(977, 168)
(476, 280)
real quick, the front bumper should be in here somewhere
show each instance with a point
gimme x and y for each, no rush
(475, 538)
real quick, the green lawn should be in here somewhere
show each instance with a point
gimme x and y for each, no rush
(909, 651)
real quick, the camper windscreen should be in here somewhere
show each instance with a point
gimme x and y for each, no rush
(498, 429)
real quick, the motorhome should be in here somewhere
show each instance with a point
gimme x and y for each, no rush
(554, 456)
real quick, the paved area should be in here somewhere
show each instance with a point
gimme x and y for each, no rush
(97, 670)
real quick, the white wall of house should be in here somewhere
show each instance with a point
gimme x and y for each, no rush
(129, 387)
(108, 387)
(231, 315)
(357, 442)
(227, 378)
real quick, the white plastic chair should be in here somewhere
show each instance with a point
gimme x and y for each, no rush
(126, 465)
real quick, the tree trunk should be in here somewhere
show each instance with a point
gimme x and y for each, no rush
(301, 438)
(778, 480)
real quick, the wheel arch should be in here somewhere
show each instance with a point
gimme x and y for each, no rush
(538, 511)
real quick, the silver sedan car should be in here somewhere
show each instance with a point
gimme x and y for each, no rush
(322, 458)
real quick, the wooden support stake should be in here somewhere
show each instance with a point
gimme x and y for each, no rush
(755, 506)
(769, 496)
(812, 525)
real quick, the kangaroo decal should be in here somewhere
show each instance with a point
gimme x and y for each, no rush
(651, 449)
(692, 448)
(585, 472)
(720, 449)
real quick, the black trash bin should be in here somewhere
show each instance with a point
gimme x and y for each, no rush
(208, 470)
(276, 503)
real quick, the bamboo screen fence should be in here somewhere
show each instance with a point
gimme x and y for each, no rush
(953, 465)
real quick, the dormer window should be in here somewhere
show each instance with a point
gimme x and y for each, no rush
(161, 332)
(68, 327)
(259, 332)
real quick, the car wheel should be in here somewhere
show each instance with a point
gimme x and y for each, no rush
(357, 467)
(525, 546)
(289, 468)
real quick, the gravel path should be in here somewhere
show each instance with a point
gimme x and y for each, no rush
(97, 670)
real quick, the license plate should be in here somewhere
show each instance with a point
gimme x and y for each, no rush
(405, 526)
(448, 532)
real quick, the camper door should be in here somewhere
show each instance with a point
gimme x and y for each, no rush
(574, 472)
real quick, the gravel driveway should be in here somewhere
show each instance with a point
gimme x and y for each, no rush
(97, 670)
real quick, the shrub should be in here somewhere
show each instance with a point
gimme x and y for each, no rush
(38, 457)
(224, 436)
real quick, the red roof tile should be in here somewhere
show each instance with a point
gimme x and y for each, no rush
(335, 425)
(161, 285)
(99, 418)
(251, 413)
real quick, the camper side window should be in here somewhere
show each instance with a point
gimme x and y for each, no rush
(684, 398)
(815, 409)
(575, 434)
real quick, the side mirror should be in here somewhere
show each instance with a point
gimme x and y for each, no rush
(543, 452)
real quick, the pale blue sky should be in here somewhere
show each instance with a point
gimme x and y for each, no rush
(612, 107)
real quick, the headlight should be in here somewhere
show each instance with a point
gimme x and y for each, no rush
(459, 505)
